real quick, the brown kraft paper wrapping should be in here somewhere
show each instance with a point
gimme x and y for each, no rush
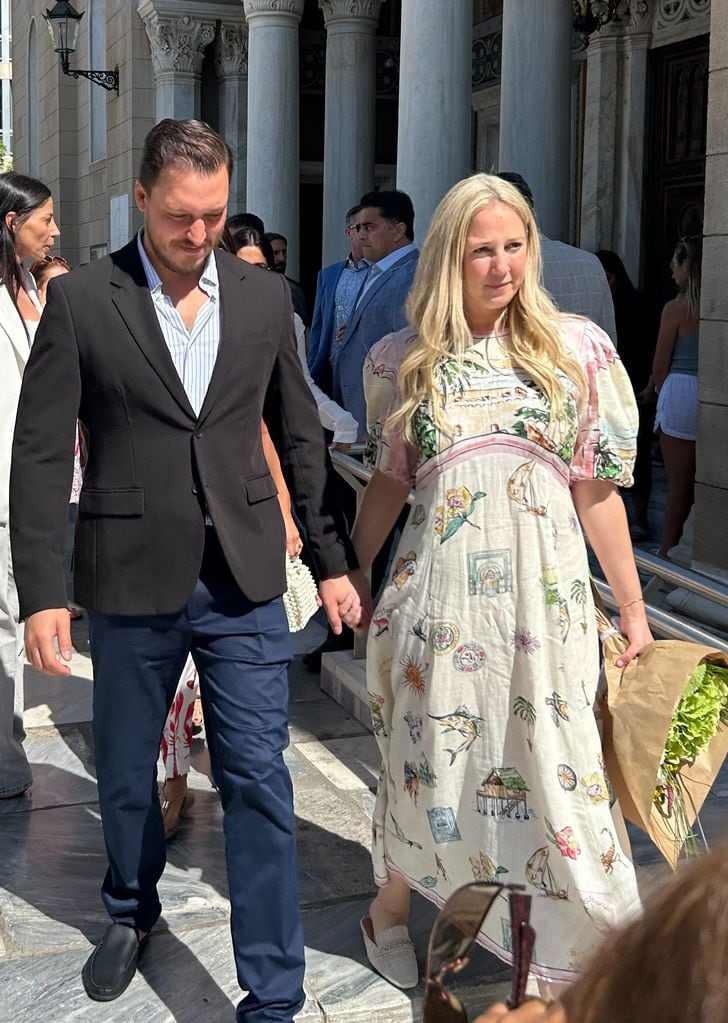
(641, 700)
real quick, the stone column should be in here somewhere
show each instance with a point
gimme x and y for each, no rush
(631, 144)
(349, 114)
(231, 64)
(711, 486)
(433, 149)
(273, 141)
(177, 43)
(535, 121)
(599, 170)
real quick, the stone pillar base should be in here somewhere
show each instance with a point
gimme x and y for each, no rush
(344, 680)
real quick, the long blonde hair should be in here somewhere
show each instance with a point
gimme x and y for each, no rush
(436, 310)
(689, 250)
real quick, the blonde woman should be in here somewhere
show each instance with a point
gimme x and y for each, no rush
(675, 378)
(516, 426)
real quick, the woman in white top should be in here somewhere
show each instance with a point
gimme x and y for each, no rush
(27, 231)
(255, 248)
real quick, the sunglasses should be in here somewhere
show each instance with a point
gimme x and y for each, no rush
(452, 939)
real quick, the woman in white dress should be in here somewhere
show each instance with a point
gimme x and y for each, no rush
(516, 426)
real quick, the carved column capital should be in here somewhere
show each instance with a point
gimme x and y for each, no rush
(279, 7)
(178, 41)
(641, 15)
(231, 50)
(347, 10)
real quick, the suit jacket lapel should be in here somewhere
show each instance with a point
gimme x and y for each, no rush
(12, 324)
(369, 294)
(130, 295)
(228, 348)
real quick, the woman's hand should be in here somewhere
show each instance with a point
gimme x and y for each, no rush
(533, 1011)
(294, 544)
(633, 624)
(648, 396)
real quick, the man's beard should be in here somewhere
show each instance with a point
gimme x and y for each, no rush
(192, 264)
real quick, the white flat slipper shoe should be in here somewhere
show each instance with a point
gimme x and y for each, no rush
(392, 954)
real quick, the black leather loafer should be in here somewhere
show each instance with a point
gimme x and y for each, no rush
(112, 964)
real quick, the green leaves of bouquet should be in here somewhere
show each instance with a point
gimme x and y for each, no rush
(701, 711)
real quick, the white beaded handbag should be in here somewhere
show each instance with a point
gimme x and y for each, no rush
(299, 600)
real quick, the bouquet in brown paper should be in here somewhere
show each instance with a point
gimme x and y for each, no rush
(665, 733)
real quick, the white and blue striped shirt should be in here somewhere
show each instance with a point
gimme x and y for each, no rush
(193, 351)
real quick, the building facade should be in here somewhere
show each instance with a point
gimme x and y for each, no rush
(321, 100)
(6, 81)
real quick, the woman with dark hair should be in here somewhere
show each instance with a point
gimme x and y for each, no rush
(245, 240)
(27, 231)
(636, 336)
(44, 270)
(255, 248)
(675, 380)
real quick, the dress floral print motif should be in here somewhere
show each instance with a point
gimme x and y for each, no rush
(482, 663)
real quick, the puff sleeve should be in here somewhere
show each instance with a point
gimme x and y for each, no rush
(606, 443)
(388, 452)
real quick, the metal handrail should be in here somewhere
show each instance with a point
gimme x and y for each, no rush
(665, 624)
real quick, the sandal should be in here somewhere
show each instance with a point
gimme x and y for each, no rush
(174, 808)
(391, 953)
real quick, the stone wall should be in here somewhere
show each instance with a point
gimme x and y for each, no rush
(711, 497)
(83, 190)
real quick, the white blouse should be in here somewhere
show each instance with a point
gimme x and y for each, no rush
(332, 416)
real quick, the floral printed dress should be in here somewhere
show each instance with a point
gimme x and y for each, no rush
(483, 661)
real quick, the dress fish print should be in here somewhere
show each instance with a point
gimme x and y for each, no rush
(482, 662)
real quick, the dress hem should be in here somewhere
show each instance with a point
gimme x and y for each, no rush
(536, 970)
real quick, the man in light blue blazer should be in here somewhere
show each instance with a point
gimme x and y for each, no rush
(337, 288)
(385, 226)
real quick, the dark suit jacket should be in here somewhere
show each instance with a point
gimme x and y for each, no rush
(380, 311)
(323, 323)
(153, 465)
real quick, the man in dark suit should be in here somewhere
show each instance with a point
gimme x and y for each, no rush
(385, 224)
(279, 244)
(170, 353)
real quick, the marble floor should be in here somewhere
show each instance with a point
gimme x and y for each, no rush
(52, 861)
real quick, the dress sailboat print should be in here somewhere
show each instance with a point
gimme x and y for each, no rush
(540, 875)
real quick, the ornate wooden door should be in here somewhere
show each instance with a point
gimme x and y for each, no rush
(675, 185)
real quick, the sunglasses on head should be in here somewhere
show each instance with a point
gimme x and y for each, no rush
(452, 939)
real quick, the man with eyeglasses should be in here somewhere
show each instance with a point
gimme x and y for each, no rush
(385, 229)
(337, 288)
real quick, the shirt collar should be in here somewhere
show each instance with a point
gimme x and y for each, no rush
(394, 257)
(349, 263)
(209, 280)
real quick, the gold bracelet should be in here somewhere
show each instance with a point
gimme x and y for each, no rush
(629, 603)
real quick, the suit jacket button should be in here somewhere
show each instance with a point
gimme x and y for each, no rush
(198, 434)
(194, 488)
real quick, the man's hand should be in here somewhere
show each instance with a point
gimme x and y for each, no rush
(42, 629)
(347, 599)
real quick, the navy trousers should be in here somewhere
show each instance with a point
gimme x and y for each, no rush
(242, 651)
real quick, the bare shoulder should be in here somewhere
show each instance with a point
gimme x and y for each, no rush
(674, 311)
